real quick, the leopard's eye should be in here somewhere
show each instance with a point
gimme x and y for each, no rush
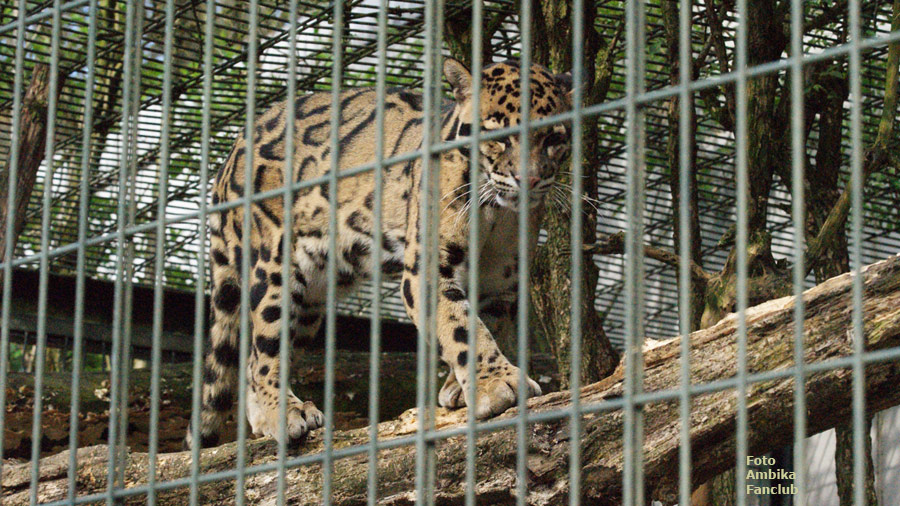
(493, 147)
(556, 144)
(555, 139)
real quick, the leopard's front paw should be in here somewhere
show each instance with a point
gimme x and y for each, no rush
(451, 394)
(302, 417)
(499, 392)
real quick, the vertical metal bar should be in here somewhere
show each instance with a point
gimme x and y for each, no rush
(83, 206)
(856, 195)
(523, 267)
(634, 266)
(685, 119)
(474, 241)
(377, 209)
(285, 344)
(576, 246)
(432, 200)
(10, 231)
(249, 190)
(159, 269)
(686, 109)
(118, 297)
(426, 327)
(798, 155)
(337, 55)
(41, 338)
(128, 258)
(199, 294)
(741, 249)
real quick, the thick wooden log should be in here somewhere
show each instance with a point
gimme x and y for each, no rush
(770, 326)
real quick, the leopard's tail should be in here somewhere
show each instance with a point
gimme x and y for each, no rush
(220, 369)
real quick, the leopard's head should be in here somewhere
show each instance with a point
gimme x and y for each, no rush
(500, 105)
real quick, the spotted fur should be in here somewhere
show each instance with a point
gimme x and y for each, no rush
(498, 379)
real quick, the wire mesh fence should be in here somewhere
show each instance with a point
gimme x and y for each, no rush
(740, 152)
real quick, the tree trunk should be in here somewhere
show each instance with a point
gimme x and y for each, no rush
(673, 155)
(551, 276)
(32, 140)
(770, 403)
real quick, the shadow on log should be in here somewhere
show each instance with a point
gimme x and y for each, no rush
(712, 425)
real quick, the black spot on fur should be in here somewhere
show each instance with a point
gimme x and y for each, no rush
(227, 297)
(238, 255)
(264, 370)
(279, 249)
(345, 278)
(267, 345)
(222, 401)
(261, 274)
(272, 123)
(407, 294)
(275, 278)
(415, 122)
(413, 100)
(219, 257)
(460, 335)
(392, 266)
(316, 134)
(414, 268)
(265, 253)
(271, 314)
(463, 358)
(307, 163)
(356, 254)
(359, 223)
(455, 253)
(257, 292)
(446, 271)
(452, 133)
(209, 375)
(226, 354)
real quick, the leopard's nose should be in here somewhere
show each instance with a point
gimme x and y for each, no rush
(532, 181)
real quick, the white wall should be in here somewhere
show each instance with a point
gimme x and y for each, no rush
(821, 485)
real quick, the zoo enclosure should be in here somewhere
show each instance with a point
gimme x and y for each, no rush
(153, 237)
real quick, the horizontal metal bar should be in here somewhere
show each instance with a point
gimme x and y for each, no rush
(74, 4)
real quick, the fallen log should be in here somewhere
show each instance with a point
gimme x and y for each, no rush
(712, 425)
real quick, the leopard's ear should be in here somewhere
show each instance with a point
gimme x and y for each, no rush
(459, 77)
(564, 81)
